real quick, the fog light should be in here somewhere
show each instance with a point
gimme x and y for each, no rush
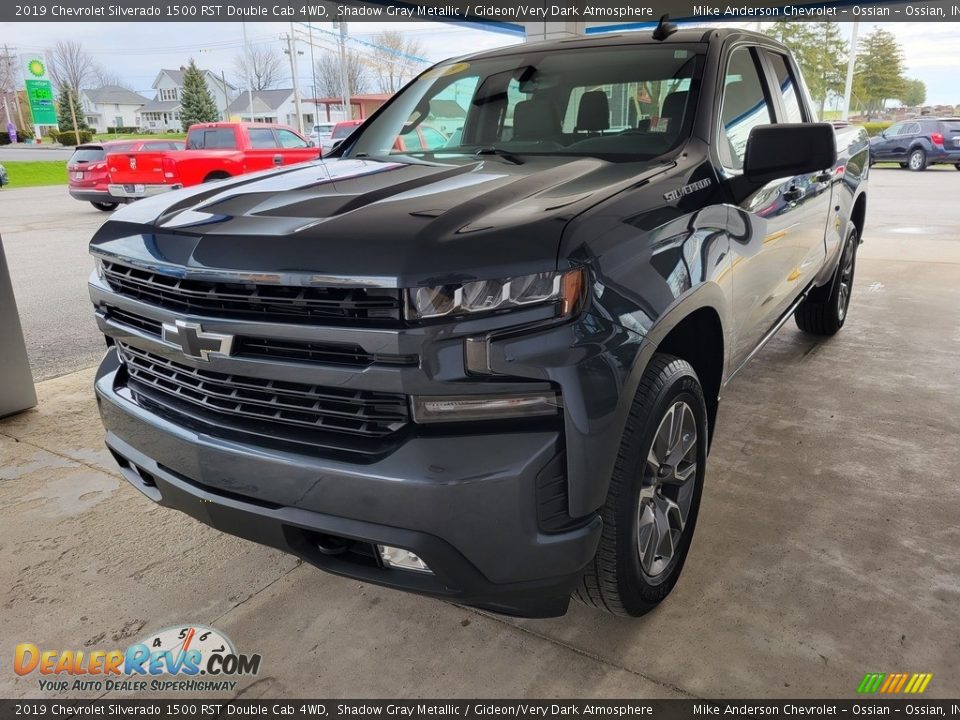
(454, 408)
(402, 559)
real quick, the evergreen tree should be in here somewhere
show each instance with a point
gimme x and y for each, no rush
(64, 118)
(878, 75)
(197, 104)
(821, 53)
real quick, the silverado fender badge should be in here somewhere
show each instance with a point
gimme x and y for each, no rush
(674, 195)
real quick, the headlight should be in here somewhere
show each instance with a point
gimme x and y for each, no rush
(98, 267)
(491, 295)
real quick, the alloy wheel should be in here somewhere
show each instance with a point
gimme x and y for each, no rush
(846, 279)
(916, 160)
(667, 488)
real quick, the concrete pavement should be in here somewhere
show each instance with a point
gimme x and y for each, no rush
(827, 545)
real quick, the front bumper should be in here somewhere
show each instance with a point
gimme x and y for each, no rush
(466, 504)
(135, 192)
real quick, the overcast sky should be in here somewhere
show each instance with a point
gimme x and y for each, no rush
(136, 51)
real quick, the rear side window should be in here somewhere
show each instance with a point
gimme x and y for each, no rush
(910, 129)
(86, 155)
(211, 139)
(261, 138)
(789, 89)
(745, 106)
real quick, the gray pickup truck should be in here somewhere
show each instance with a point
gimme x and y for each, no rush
(488, 370)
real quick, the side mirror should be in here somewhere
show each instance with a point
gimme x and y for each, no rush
(776, 151)
(336, 144)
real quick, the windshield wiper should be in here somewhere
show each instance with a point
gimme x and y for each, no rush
(500, 152)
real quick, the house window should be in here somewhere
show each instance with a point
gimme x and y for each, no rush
(168, 94)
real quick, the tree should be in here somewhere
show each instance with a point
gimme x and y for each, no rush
(914, 93)
(396, 60)
(261, 67)
(878, 74)
(71, 66)
(196, 104)
(328, 74)
(65, 97)
(821, 53)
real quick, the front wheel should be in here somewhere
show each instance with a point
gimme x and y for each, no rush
(104, 206)
(917, 160)
(824, 310)
(654, 495)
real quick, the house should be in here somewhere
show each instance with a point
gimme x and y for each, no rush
(271, 106)
(163, 112)
(111, 106)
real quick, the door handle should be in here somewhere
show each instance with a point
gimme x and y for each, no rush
(793, 194)
(278, 159)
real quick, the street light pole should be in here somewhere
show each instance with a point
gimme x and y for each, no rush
(344, 82)
(292, 52)
(851, 61)
(246, 52)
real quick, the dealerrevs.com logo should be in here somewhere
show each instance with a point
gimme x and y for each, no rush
(189, 658)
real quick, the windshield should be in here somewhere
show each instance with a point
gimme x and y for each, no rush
(620, 103)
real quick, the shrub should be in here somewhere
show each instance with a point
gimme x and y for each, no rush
(875, 128)
(69, 138)
(121, 130)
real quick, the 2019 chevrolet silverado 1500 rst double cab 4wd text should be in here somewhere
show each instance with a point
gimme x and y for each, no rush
(487, 372)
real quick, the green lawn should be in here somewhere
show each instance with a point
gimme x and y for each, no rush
(35, 173)
(102, 137)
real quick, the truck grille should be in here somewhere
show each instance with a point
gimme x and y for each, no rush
(253, 301)
(255, 404)
(288, 350)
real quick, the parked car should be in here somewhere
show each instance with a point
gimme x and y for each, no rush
(917, 144)
(320, 136)
(487, 373)
(214, 151)
(87, 172)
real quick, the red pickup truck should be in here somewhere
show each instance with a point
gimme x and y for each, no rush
(214, 151)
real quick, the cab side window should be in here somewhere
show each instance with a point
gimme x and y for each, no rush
(789, 89)
(745, 105)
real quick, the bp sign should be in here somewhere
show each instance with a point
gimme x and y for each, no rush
(39, 90)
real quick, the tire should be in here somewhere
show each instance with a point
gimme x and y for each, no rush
(825, 309)
(618, 580)
(105, 207)
(216, 176)
(917, 160)
(904, 165)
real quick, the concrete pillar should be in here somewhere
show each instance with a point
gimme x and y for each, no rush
(553, 30)
(16, 382)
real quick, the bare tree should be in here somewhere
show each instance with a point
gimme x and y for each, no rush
(71, 66)
(261, 67)
(8, 71)
(328, 74)
(395, 61)
(104, 77)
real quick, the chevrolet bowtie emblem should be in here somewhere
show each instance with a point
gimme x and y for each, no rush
(194, 342)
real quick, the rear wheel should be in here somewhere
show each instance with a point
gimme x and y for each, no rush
(917, 160)
(654, 496)
(105, 206)
(216, 176)
(824, 310)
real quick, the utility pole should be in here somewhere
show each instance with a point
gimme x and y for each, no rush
(226, 98)
(344, 82)
(73, 115)
(848, 88)
(246, 51)
(292, 52)
(313, 77)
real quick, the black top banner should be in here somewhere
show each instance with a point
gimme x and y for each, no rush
(499, 11)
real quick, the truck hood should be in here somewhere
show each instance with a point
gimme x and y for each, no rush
(406, 223)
